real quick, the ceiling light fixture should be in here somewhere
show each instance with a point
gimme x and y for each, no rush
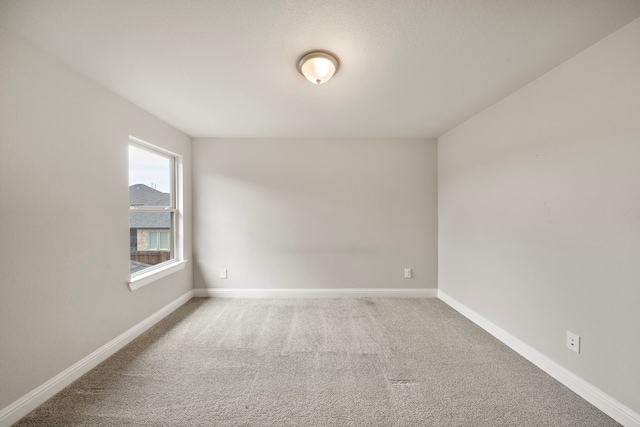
(318, 66)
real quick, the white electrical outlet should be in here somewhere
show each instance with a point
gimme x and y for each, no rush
(223, 273)
(573, 341)
(408, 273)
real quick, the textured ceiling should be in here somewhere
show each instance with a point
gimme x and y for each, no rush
(224, 68)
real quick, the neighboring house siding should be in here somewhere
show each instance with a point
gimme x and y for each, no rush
(148, 222)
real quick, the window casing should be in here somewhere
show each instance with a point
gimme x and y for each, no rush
(154, 211)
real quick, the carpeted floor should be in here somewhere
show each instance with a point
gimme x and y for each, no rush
(316, 362)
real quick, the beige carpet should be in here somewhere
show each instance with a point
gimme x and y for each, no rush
(316, 362)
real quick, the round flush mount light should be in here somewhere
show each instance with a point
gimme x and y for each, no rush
(318, 66)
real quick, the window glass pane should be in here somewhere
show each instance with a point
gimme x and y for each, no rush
(149, 178)
(164, 240)
(133, 240)
(153, 240)
(151, 185)
(150, 243)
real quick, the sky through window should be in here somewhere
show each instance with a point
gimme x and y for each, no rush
(149, 169)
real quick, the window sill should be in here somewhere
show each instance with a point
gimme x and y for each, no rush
(145, 279)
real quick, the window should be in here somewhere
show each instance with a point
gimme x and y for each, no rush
(159, 240)
(153, 241)
(164, 240)
(153, 209)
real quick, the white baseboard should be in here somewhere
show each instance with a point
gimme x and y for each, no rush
(30, 401)
(616, 410)
(315, 293)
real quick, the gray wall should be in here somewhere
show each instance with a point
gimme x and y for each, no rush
(539, 207)
(64, 231)
(315, 213)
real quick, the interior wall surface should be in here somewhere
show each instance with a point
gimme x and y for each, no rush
(315, 213)
(539, 214)
(64, 222)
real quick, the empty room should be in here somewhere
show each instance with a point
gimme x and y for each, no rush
(339, 213)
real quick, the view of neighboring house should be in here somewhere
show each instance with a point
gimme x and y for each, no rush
(149, 232)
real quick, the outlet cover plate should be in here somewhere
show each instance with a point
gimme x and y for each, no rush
(573, 341)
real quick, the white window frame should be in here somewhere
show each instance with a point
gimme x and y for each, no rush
(177, 262)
